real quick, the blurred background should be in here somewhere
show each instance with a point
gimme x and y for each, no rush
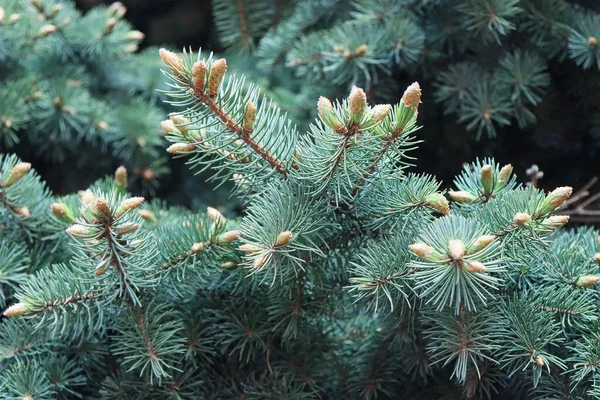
(542, 57)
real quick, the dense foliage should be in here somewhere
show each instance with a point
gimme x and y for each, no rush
(348, 275)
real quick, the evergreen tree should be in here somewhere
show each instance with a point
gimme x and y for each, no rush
(347, 276)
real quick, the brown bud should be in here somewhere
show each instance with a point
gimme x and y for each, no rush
(78, 230)
(559, 195)
(22, 211)
(172, 61)
(461, 196)
(474, 267)
(180, 122)
(130, 204)
(121, 176)
(214, 215)
(249, 117)
(283, 238)
(592, 41)
(456, 248)
(147, 215)
(422, 250)
(380, 111)
(17, 172)
(199, 75)
(438, 202)
(357, 101)
(505, 173)
(412, 96)
(539, 361)
(197, 248)
(16, 310)
(170, 127)
(101, 206)
(217, 73)
(46, 30)
(361, 50)
(58, 209)
(260, 262)
(597, 258)
(181, 148)
(588, 280)
(228, 237)
(481, 243)
(250, 248)
(521, 218)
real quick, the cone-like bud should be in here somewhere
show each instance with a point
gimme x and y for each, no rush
(2, 14)
(16, 310)
(78, 230)
(87, 197)
(597, 258)
(100, 206)
(487, 177)
(229, 265)
(197, 248)
(121, 176)
(250, 248)
(474, 266)
(46, 30)
(126, 228)
(328, 115)
(102, 267)
(456, 248)
(117, 9)
(215, 78)
(283, 238)
(170, 127)
(56, 9)
(504, 174)
(380, 111)
(135, 35)
(199, 75)
(422, 250)
(214, 215)
(521, 218)
(438, 202)
(228, 237)
(357, 101)
(22, 211)
(109, 25)
(58, 209)
(361, 50)
(181, 148)
(481, 243)
(592, 41)
(172, 61)
(539, 361)
(16, 173)
(130, 204)
(588, 280)
(555, 199)
(260, 262)
(555, 222)
(147, 215)
(462, 196)
(249, 117)
(179, 122)
(412, 96)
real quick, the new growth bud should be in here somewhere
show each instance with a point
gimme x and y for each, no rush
(474, 266)
(16, 310)
(46, 30)
(380, 111)
(357, 102)
(249, 117)
(597, 258)
(179, 122)
(109, 26)
(328, 115)
(462, 196)
(283, 238)
(78, 230)
(250, 248)
(121, 176)
(135, 35)
(588, 280)
(16, 173)
(169, 127)
(422, 250)
(130, 204)
(228, 237)
(172, 61)
(456, 248)
(181, 148)
(521, 218)
(214, 215)
(504, 174)
(100, 206)
(555, 222)
(438, 202)
(555, 199)
(199, 75)
(487, 178)
(481, 243)
(215, 78)
(412, 96)
(197, 248)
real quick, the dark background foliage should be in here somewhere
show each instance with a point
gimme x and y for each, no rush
(565, 146)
